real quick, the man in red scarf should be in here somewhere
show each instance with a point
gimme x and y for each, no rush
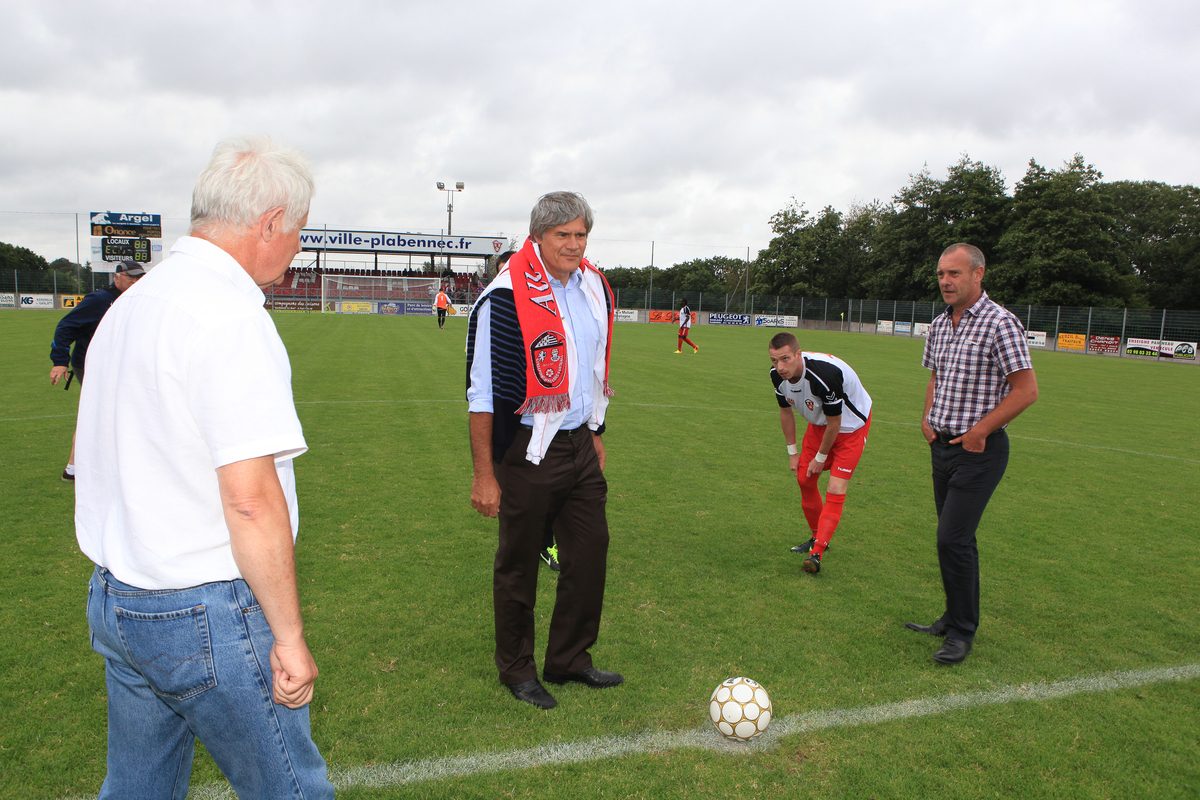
(537, 384)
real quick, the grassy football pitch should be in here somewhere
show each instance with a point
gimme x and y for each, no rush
(1084, 681)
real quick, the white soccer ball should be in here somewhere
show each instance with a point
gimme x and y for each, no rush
(740, 708)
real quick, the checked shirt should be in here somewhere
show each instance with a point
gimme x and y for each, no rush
(971, 363)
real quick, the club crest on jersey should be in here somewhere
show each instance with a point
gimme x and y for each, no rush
(549, 354)
(808, 404)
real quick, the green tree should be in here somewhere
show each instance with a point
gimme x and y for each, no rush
(798, 261)
(1060, 248)
(20, 258)
(971, 205)
(700, 274)
(627, 277)
(1157, 228)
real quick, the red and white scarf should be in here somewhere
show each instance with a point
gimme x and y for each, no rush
(547, 372)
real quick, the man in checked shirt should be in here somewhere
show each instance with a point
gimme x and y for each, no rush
(980, 379)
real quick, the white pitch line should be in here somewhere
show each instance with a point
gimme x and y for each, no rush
(1068, 444)
(378, 776)
(694, 408)
(917, 425)
(26, 419)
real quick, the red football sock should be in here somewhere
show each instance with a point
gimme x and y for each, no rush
(830, 517)
(810, 501)
(680, 345)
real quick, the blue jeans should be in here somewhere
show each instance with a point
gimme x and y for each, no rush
(188, 663)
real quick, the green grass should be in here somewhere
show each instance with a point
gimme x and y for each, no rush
(1088, 551)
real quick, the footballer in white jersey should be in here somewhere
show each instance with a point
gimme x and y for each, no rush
(832, 400)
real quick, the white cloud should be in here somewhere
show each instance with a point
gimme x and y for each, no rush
(681, 122)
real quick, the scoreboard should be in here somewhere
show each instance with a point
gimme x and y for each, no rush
(124, 237)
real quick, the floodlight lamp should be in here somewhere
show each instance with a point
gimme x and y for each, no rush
(441, 185)
(459, 186)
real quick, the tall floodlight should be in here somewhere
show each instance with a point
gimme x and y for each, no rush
(458, 187)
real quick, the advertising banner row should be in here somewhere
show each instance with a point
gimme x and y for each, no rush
(421, 308)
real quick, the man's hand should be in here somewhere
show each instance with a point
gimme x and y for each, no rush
(927, 431)
(57, 374)
(598, 441)
(794, 462)
(814, 467)
(972, 441)
(295, 672)
(485, 494)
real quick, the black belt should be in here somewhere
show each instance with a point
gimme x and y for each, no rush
(944, 436)
(561, 433)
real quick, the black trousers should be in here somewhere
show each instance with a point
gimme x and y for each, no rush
(568, 492)
(963, 483)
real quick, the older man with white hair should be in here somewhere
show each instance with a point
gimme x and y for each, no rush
(186, 501)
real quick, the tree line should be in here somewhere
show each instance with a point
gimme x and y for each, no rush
(22, 259)
(1062, 237)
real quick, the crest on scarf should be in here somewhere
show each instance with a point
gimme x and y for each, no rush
(549, 356)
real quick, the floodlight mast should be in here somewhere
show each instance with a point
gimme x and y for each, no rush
(458, 187)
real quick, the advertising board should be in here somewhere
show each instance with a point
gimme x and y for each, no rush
(1072, 341)
(37, 301)
(776, 321)
(1105, 344)
(1164, 348)
(627, 315)
(728, 319)
(381, 242)
(1035, 338)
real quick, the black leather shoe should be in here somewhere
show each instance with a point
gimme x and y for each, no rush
(595, 678)
(954, 651)
(533, 693)
(936, 629)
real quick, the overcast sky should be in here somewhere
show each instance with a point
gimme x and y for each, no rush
(688, 123)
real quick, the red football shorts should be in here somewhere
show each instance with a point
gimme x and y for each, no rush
(843, 456)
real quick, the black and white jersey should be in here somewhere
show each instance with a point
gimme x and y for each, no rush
(685, 317)
(828, 387)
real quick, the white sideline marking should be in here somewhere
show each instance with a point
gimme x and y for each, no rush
(706, 738)
(1069, 444)
(703, 408)
(26, 419)
(917, 425)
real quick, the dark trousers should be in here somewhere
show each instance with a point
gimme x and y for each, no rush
(963, 483)
(568, 492)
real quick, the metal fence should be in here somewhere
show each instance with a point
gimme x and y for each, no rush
(1105, 331)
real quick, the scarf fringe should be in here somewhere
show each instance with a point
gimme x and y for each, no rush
(608, 390)
(545, 404)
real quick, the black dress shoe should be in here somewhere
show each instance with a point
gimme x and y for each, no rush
(595, 678)
(936, 629)
(533, 693)
(953, 651)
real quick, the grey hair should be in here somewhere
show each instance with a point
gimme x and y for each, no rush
(247, 177)
(559, 208)
(973, 252)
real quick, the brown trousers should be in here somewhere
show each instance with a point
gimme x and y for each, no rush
(567, 491)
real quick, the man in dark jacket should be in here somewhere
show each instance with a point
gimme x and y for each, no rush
(78, 326)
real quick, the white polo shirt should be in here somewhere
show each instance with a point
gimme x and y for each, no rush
(186, 373)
